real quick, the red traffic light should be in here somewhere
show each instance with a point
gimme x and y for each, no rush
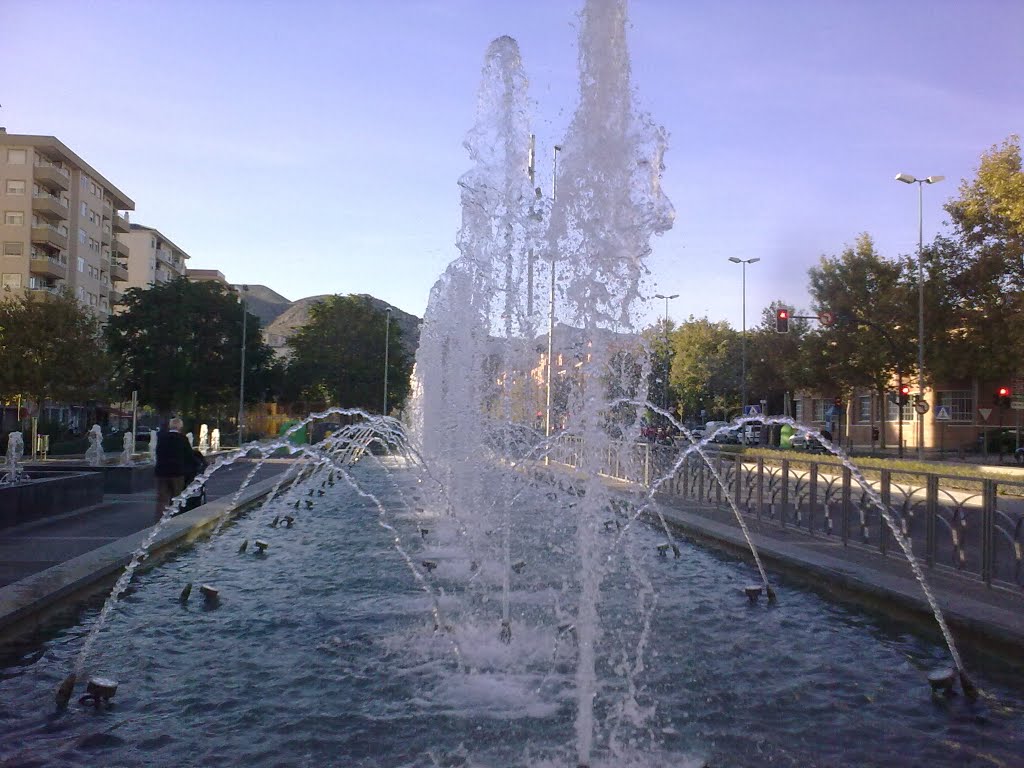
(905, 389)
(1004, 392)
(782, 320)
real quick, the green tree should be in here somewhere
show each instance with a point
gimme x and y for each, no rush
(705, 367)
(179, 344)
(338, 357)
(874, 301)
(51, 348)
(974, 307)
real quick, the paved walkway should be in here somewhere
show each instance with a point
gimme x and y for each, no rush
(33, 547)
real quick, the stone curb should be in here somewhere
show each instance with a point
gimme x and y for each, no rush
(25, 604)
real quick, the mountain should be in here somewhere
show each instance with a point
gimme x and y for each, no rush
(295, 314)
(266, 303)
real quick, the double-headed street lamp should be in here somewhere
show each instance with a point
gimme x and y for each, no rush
(743, 383)
(666, 298)
(387, 347)
(241, 382)
(906, 178)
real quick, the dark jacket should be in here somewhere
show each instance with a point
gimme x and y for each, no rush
(173, 455)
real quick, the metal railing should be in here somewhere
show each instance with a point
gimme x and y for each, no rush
(970, 527)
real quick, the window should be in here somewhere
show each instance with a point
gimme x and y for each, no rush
(818, 409)
(17, 157)
(959, 402)
(864, 409)
(15, 187)
(81, 264)
(798, 410)
(14, 218)
(82, 237)
(892, 412)
(85, 210)
(14, 249)
(10, 280)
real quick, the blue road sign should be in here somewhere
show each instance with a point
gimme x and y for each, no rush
(752, 410)
(943, 413)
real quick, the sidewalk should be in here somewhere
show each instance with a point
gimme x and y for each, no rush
(45, 562)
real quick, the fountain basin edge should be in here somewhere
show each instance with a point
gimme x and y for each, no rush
(48, 493)
(29, 605)
(995, 630)
(117, 478)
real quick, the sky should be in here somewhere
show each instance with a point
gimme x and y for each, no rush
(315, 147)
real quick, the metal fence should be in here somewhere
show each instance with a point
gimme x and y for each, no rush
(973, 529)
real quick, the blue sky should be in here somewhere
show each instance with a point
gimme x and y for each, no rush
(315, 146)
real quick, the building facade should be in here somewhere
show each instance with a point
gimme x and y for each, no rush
(63, 223)
(155, 259)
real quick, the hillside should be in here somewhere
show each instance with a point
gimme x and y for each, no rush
(296, 314)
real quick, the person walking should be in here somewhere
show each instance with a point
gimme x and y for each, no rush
(173, 464)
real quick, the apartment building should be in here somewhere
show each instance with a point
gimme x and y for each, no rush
(62, 223)
(155, 259)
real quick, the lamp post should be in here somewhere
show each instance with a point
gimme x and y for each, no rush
(551, 301)
(743, 337)
(387, 346)
(906, 178)
(665, 391)
(241, 381)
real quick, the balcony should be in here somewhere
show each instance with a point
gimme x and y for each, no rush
(49, 206)
(52, 177)
(47, 234)
(118, 272)
(105, 234)
(121, 223)
(120, 249)
(115, 297)
(48, 266)
(108, 209)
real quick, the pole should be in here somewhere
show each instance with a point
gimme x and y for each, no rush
(899, 410)
(135, 406)
(387, 346)
(743, 354)
(551, 302)
(920, 315)
(531, 172)
(241, 382)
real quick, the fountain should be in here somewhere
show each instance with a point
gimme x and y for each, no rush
(152, 446)
(13, 473)
(204, 438)
(128, 450)
(457, 592)
(94, 453)
(215, 440)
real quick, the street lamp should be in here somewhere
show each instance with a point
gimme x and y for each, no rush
(387, 345)
(241, 382)
(906, 178)
(551, 301)
(743, 338)
(666, 298)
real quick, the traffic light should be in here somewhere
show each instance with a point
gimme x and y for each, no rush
(904, 394)
(1003, 397)
(782, 320)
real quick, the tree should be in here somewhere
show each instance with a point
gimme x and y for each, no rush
(338, 357)
(874, 301)
(179, 344)
(51, 349)
(976, 277)
(705, 366)
(775, 361)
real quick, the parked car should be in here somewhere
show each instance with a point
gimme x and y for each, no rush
(807, 442)
(727, 437)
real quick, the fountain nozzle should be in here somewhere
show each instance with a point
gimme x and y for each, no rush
(506, 631)
(942, 680)
(663, 550)
(261, 546)
(424, 532)
(185, 593)
(753, 592)
(210, 593)
(99, 690)
(518, 566)
(429, 565)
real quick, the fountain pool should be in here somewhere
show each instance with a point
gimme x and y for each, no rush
(325, 650)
